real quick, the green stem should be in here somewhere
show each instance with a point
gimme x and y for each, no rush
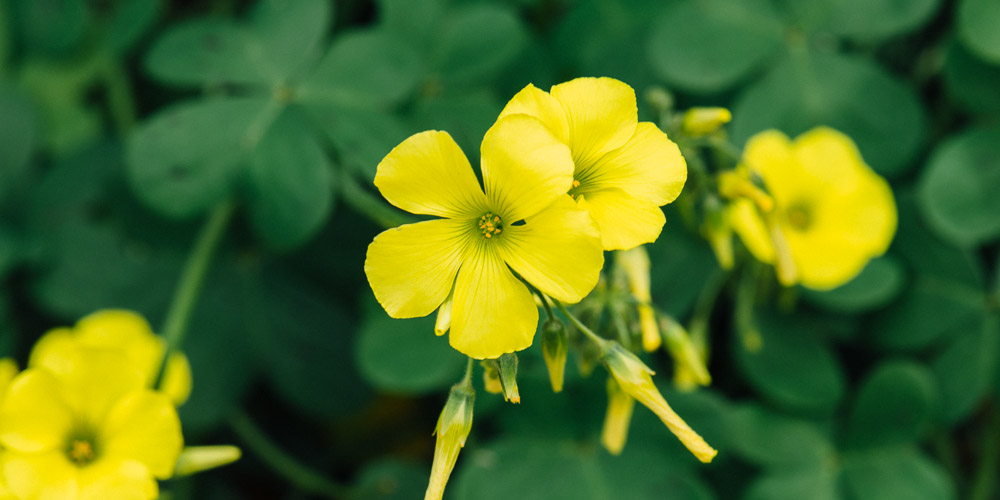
(601, 343)
(467, 378)
(985, 481)
(304, 478)
(119, 89)
(363, 201)
(192, 276)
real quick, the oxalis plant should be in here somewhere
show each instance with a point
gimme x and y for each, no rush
(297, 248)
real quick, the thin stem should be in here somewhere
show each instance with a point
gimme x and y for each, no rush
(189, 286)
(467, 378)
(283, 464)
(579, 324)
(543, 299)
(363, 201)
(119, 89)
(985, 481)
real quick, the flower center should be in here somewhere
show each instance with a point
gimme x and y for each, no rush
(490, 224)
(799, 216)
(81, 451)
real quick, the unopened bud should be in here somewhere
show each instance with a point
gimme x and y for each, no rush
(704, 121)
(554, 349)
(717, 231)
(194, 459)
(635, 265)
(634, 378)
(617, 418)
(507, 364)
(443, 322)
(491, 376)
(738, 183)
(690, 370)
(659, 98)
(453, 427)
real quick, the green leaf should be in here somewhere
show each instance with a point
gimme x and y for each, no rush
(965, 369)
(289, 185)
(874, 20)
(895, 405)
(970, 81)
(465, 116)
(290, 32)
(550, 469)
(414, 20)
(59, 89)
(188, 157)
(882, 115)
(391, 479)
(404, 355)
(928, 311)
(303, 342)
(478, 42)
(362, 137)
(977, 23)
(790, 366)
(895, 474)
(707, 46)
(957, 190)
(54, 28)
(362, 69)
(5, 36)
(680, 266)
(208, 52)
(773, 440)
(18, 138)
(812, 483)
(880, 282)
(129, 22)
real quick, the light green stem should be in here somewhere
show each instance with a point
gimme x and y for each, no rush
(601, 343)
(186, 293)
(283, 464)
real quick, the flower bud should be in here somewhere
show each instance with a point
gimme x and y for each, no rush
(704, 121)
(555, 348)
(491, 376)
(452, 429)
(194, 459)
(635, 264)
(443, 322)
(617, 418)
(634, 378)
(659, 98)
(690, 370)
(507, 364)
(717, 231)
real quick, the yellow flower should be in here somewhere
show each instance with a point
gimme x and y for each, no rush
(831, 214)
(91, 431)
(633, 376)
(122, 331)
(523, 220)
(623, 170)
(452, 429)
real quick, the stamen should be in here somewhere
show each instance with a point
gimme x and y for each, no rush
(490, 224)
(81, 451)
(576, 183)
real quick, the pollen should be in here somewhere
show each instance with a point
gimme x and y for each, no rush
(576, 183)
(81, 451)
(490, 225)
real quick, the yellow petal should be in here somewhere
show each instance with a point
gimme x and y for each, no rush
(558, 251)
(525, 168)
(8, 370)
(770, 155)
(602, 116)
(54, 351)
(411, 268)
(97, 380)
(428, 174)
(116, 478)
(34, 417)
(144, 427)
(617, 418)
(176, 383)
(41, 475)
(538, 103)
(493, 313)
(753, 232)
(625, 221)
(125, 331)
(649, 167)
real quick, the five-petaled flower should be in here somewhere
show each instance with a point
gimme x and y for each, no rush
(624, 170)
(523, 221)
(831, 213)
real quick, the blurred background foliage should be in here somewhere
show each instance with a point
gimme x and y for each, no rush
(124, 122)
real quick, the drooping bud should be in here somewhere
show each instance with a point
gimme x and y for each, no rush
(453, 427)
(634, 378)
(617, 418)
(555, 347)
(717, 231)
(704, 121)
(176, 382)
(738, 183)
(443, 321)
(507, 364)
(635, 264)
(491, 376)
(194, 459)
(690, 370)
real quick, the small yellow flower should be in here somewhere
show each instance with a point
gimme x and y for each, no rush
(92, 431)
(624, 170)
(522, 222)
(452, 429)
(633, 376)
(121, 331)
(831, 215)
